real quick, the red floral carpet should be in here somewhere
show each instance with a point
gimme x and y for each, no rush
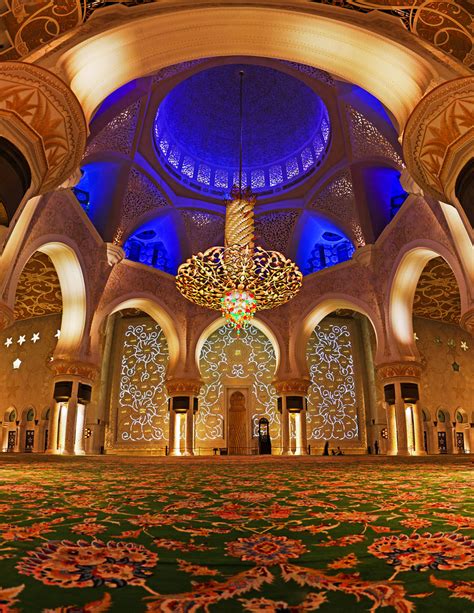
(263, 534)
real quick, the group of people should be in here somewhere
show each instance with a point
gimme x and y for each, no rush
(337, 451)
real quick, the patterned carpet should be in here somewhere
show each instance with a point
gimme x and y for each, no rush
(224, 534)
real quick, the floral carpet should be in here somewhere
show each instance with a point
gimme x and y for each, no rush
(222, 534)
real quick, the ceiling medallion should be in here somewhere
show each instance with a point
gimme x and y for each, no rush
(239, 278)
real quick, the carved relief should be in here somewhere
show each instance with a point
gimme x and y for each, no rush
(440, 126)
(7, 316)
(118, 134)
(203, 229)
(46, 106)
(367, 140)
(38, 292)
(437, 294)
(142, 195)
(274, 230)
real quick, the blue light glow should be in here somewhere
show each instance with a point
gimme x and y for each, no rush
(197, 128)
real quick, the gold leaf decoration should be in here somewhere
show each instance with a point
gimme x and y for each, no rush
(437, 293)
(38, 292)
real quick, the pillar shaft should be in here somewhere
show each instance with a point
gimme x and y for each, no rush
(189, 448)
(53, 429)
(418, 424)
(172, 429)
(285, 429)
(71, 420)
(392, 447)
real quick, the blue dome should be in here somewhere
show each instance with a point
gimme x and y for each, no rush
(285, 129)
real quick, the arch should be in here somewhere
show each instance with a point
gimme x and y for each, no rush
(149, 305)
(68, 267)
(8, 413)
(257, 322)
(96, 66)
(402, 285)
(321, 310)
(26, 413)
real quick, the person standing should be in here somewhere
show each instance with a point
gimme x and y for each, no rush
(376, 447)
(326, 448)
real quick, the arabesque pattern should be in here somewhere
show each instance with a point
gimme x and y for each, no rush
(142, 413)
(245, 359)
(38, 291)
(332, 396)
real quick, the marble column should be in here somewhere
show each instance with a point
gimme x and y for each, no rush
(53, 427)
(71, 419)
(392, 448)
(292, 399)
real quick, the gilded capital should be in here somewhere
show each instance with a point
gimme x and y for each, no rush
(399, 370)
(183, 387)
(438, 139)
(292, 386)
(71, 368)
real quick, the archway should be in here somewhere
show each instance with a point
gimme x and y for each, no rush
(9, 437)
(135, 401)
(407, 271)
(237, 371)
(97, 67)
(344, 407)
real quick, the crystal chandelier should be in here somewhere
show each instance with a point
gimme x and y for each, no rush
(239, 278)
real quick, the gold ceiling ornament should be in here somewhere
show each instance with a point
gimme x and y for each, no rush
(239, 278)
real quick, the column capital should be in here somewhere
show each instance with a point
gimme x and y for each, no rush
(183, 387)
(298, 387)
(7, 316)
(399, 371)
(466, 322)
(74, 369)
(439, 136)
(42, 117)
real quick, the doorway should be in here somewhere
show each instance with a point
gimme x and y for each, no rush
(237, 423)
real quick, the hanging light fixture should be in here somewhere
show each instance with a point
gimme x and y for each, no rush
(239, 278)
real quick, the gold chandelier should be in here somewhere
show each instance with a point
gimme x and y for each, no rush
(239, 278)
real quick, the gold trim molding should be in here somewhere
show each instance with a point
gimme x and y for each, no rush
(439, 137)
(44, 112)
(467, 321)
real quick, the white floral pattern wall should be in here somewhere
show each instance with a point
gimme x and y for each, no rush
(333, 395)
(227, 358)
(142, 402)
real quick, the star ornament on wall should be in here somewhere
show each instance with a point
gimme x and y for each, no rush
(21, 340)
(35, 337)
(17, 364)
(464, 345)
(455, 366)
(8, 342)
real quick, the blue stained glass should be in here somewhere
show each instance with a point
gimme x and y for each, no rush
(292, 169)
(164, 145)
(221, 178)
(174, 156)
(324, 255)
(276, 175)
(325, 129)
(204, 174)
(244, 178)
(318, 145)
(258, 179)
(187, 167)
(307, 158)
